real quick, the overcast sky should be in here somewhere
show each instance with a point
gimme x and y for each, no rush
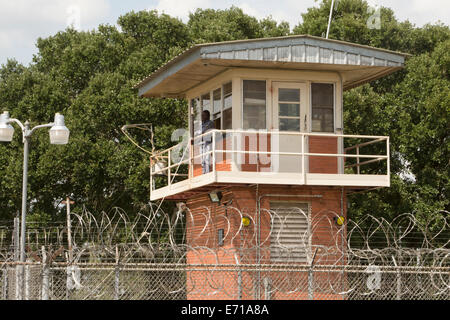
(23, 21)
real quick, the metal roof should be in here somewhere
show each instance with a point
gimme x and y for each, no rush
(357, 63)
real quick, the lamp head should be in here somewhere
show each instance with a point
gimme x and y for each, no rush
(6, 130)
(215, 196)
(59, 134)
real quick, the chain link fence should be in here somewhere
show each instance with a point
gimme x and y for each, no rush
(155, 258)
(246, 282)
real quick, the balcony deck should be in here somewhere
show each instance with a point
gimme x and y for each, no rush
(268, 157)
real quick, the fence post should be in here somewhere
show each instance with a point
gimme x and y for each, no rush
(267, 288)
(399, 285)
(5, 284)
(27, 282)
(399, 281)
(311, 278)
(117, 276)
(45, 275)
(17, 273)
(239, 283)
(69, 278)
(18, 280)
(16, 237)
(310, 284)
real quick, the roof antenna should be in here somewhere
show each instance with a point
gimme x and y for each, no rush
(329, 20)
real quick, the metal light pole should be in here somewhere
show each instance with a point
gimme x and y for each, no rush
(59, 134)
(329, 19)
(68, 202)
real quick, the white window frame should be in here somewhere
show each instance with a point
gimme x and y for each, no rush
(268, 96)
(310, 106)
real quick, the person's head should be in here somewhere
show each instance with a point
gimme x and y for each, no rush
(206, 115)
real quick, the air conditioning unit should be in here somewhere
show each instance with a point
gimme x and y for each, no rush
(160, 168)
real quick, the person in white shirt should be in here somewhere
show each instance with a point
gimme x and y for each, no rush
(207, 125)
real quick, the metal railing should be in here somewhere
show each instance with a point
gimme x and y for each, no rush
(232, 146)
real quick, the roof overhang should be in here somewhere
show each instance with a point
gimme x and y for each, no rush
(356, 63)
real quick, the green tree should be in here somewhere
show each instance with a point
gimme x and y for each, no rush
(89, 77)
(209, 25)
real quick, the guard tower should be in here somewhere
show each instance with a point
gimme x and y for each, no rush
(278, 142)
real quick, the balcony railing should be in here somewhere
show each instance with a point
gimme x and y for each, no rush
(270, 157)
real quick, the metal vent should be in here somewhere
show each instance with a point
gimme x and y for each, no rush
(289, 238)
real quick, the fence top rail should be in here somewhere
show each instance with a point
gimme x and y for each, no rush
(246, 267)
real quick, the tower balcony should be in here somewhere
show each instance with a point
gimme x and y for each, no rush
(226, 157)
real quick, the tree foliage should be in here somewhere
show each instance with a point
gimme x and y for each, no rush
(89, 77)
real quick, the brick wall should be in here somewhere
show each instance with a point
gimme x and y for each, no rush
(323, 164)
(204, 219)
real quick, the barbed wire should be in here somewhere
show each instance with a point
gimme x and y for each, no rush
(161, 255)
(154, 233)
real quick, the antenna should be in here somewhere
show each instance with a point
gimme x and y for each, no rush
(329, 20)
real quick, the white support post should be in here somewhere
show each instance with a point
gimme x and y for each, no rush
(303, 159)
(388, 153)
(213, 156)
(357, 160)
(151, 175)
(169, 163)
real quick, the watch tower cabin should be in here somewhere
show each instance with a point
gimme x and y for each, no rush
(272, 139)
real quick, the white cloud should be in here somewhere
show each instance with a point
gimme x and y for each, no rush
(180, 9)
(419, 12)
(250, 10)
(23, 21)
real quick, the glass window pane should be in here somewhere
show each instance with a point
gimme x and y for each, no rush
(227, 96)
(322, 107)
(227, 104)
(289, 110)
(195, 103)
(254, 107)
(289, 124)
(291, 95)
(217, 96)
(254, 117)
(206, 103)
(227, 119)
(217, 124)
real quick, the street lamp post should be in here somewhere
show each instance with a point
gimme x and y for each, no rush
(59, 134)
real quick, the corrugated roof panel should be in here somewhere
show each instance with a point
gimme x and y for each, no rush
(227, 55)
(312, 54)
(284, 54)
(270, 54)
(326, 55)
(366, 61)
(352, 59)
(255, 54)
(295, 52)
(379, 62)
(241, 54)
(298, 53)
(339, 57)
